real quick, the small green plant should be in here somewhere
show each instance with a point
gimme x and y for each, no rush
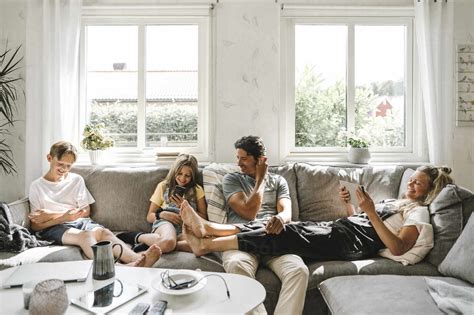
(354, 140)
(95, 138)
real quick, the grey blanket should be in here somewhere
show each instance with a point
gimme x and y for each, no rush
(450, 298)
(14, 237)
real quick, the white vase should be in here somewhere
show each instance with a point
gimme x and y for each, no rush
(96, 156)
(358, 155)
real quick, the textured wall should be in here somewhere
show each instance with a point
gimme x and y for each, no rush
(247, 72)
(463, 142)
(12, 28)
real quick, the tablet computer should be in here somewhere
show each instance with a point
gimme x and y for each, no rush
(105, 299)
(351, 188)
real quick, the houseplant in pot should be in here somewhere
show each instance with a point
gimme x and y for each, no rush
(95, 142)
(358, 147)
(9, 63)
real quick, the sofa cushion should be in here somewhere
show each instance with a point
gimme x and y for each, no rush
(320, 271)
(19, 211)
(288, 172)
(381, 294)
(317, 187)
(40, 254)
(404, 181)
(212, 180)
(448, 212)
(461, 255)
(122, 194)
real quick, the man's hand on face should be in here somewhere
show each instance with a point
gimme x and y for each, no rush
(261, 167)
(275, 225)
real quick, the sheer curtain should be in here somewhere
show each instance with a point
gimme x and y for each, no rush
(435, 46)
(52, 81)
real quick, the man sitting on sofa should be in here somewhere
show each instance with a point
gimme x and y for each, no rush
(255, 194)
(60, 210)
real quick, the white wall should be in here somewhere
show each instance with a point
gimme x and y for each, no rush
(463, 142)
(247, 55)
(12, 28)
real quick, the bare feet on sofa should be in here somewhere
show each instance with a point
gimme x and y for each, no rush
(194, 242)
(193, 220)
(152, 255)
(147, 258)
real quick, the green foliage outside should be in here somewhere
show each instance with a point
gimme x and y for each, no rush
(321, 113)
(177, 121)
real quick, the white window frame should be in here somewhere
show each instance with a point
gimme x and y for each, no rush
(350, 16)
(154, 15)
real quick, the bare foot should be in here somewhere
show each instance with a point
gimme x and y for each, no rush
(193, 220)
(140, 262)
(152, 254)
(194, 242)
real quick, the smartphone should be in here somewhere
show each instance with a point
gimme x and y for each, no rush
(179, 191)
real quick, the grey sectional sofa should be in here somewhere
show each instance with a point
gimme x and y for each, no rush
(122, 195)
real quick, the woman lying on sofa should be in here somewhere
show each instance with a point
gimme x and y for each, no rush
(399, 230)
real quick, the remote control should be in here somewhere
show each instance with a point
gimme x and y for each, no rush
(158, 308)
(139, 309)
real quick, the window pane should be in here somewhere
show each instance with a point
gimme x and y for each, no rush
(171, 85)
(320, 81)
(380, 84)
(111, 70)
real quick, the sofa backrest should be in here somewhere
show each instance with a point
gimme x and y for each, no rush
(122, 194)
(317, 187)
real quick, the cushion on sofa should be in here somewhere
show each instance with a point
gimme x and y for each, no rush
(447, 217)
(212, 181)
(122, 194)
(317, 187)
(459, 260)
(381, 294)
(320, 271)
(404, 181)
(288, 172)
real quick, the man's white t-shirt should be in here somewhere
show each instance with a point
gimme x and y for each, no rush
(67, 194)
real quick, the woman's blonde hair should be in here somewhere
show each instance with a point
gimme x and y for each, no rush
(170, 180)
(439, 178)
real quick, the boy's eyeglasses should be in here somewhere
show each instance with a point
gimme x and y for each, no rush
(174, 284)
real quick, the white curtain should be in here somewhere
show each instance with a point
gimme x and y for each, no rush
(52, 80)
(435, 46)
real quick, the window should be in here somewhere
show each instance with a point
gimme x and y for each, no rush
(353, 74)
(147, 80)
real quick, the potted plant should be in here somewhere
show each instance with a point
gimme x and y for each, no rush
(95, 142)
(358, 147)
(8, 96)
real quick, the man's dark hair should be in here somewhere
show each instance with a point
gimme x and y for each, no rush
(253, 145)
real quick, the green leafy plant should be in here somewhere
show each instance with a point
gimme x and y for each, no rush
(354, 140)
(9, 64)
(95, 138)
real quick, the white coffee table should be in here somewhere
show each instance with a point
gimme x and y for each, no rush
(245, 294)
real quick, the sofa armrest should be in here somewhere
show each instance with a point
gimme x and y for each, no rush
(20, 210)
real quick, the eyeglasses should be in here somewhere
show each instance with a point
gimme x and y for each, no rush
(179, 284)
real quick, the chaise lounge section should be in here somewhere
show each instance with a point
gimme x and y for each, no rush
(122, 199)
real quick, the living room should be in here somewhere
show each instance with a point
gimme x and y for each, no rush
(246, 58)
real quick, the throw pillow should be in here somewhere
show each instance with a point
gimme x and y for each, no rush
(458, 261)
(446, 215)
(212, 179)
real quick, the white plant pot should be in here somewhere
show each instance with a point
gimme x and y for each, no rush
(358, 155)
(96, 156)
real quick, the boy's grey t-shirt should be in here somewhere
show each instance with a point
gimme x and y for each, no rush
(276, 188)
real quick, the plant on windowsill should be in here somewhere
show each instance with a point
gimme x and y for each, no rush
(9, 63)
(358, 147)
(95, 142)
